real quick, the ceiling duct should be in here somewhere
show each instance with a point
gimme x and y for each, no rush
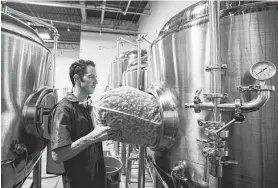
(78, 6)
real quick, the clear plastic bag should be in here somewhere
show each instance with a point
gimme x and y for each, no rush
(135, 114)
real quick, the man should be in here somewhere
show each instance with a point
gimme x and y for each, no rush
(74, 140)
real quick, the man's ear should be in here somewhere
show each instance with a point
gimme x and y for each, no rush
(76, 79)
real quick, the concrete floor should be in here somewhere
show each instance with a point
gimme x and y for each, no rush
(52, 181)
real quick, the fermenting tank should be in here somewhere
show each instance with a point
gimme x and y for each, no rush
(248, 34)
(118, 66)
(129, 77)
(26, 98)
(126, 60)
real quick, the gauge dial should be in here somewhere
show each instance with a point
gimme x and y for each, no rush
(263, 70)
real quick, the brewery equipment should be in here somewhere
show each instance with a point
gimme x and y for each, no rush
(230, 138)
(134, 76)
(27, 95)
(118, 66)
(129, 76)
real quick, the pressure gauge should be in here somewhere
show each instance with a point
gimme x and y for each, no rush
(263, 70)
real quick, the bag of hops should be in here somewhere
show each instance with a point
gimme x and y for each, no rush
(135, 114)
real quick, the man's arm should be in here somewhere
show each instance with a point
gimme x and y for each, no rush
(99, 134)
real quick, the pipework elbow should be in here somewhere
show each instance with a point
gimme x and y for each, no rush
(257, 103)
(250, 106)
(179, 171)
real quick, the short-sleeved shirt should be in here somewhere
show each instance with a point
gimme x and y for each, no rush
(72, 121)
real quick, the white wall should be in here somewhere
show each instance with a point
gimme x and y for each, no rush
(161, 12)
(102, 50)
(64, 59)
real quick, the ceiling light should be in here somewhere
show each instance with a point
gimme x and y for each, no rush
(68, 30)
(45, 36)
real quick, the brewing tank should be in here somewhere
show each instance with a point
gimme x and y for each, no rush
(129, 77)
(180, 54)
(118, 66)
(26, 98)
(126, 62)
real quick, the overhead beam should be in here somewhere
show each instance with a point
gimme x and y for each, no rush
(94, 21)
(63, 45)
(83, 12)
(103, 12)
(77, 6)
(62, 42)
(130, 6)
(89, 27)
(124, 13)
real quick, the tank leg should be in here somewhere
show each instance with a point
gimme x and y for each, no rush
(157, 183)
(214, 182)
(116, 148)
(124, 157)
(128, 167)
(37, 175)
(141, 169)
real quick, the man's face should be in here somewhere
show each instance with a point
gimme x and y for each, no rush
(89, 82)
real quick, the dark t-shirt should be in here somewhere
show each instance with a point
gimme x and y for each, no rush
(72, 121)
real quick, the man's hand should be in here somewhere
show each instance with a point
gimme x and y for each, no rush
(101, 133)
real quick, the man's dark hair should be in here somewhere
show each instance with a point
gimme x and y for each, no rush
(79, 68)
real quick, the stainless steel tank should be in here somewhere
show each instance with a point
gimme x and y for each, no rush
(125, 60)
(118, 66)
(248, 34)
(26, 98)
(129, 77)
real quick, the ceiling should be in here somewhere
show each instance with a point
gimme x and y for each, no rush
(72, 17)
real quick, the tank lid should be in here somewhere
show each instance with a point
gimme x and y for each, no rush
(128, 55)
(15, 25)
(198, 13)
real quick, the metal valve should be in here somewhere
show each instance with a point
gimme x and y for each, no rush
(208, 151)
(207, 123)
(197, 99)
(204, 141)
(17, 147)
(228, 162)
(196, 102)
(180, 168)
(238, 117)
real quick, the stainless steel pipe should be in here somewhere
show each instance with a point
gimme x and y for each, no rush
(214, 8)
(250, 106)
(141, 169)
(214, 45)
(121, 38)
(37, 174)
(56, 36)
(118, 59)
(139, 62)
